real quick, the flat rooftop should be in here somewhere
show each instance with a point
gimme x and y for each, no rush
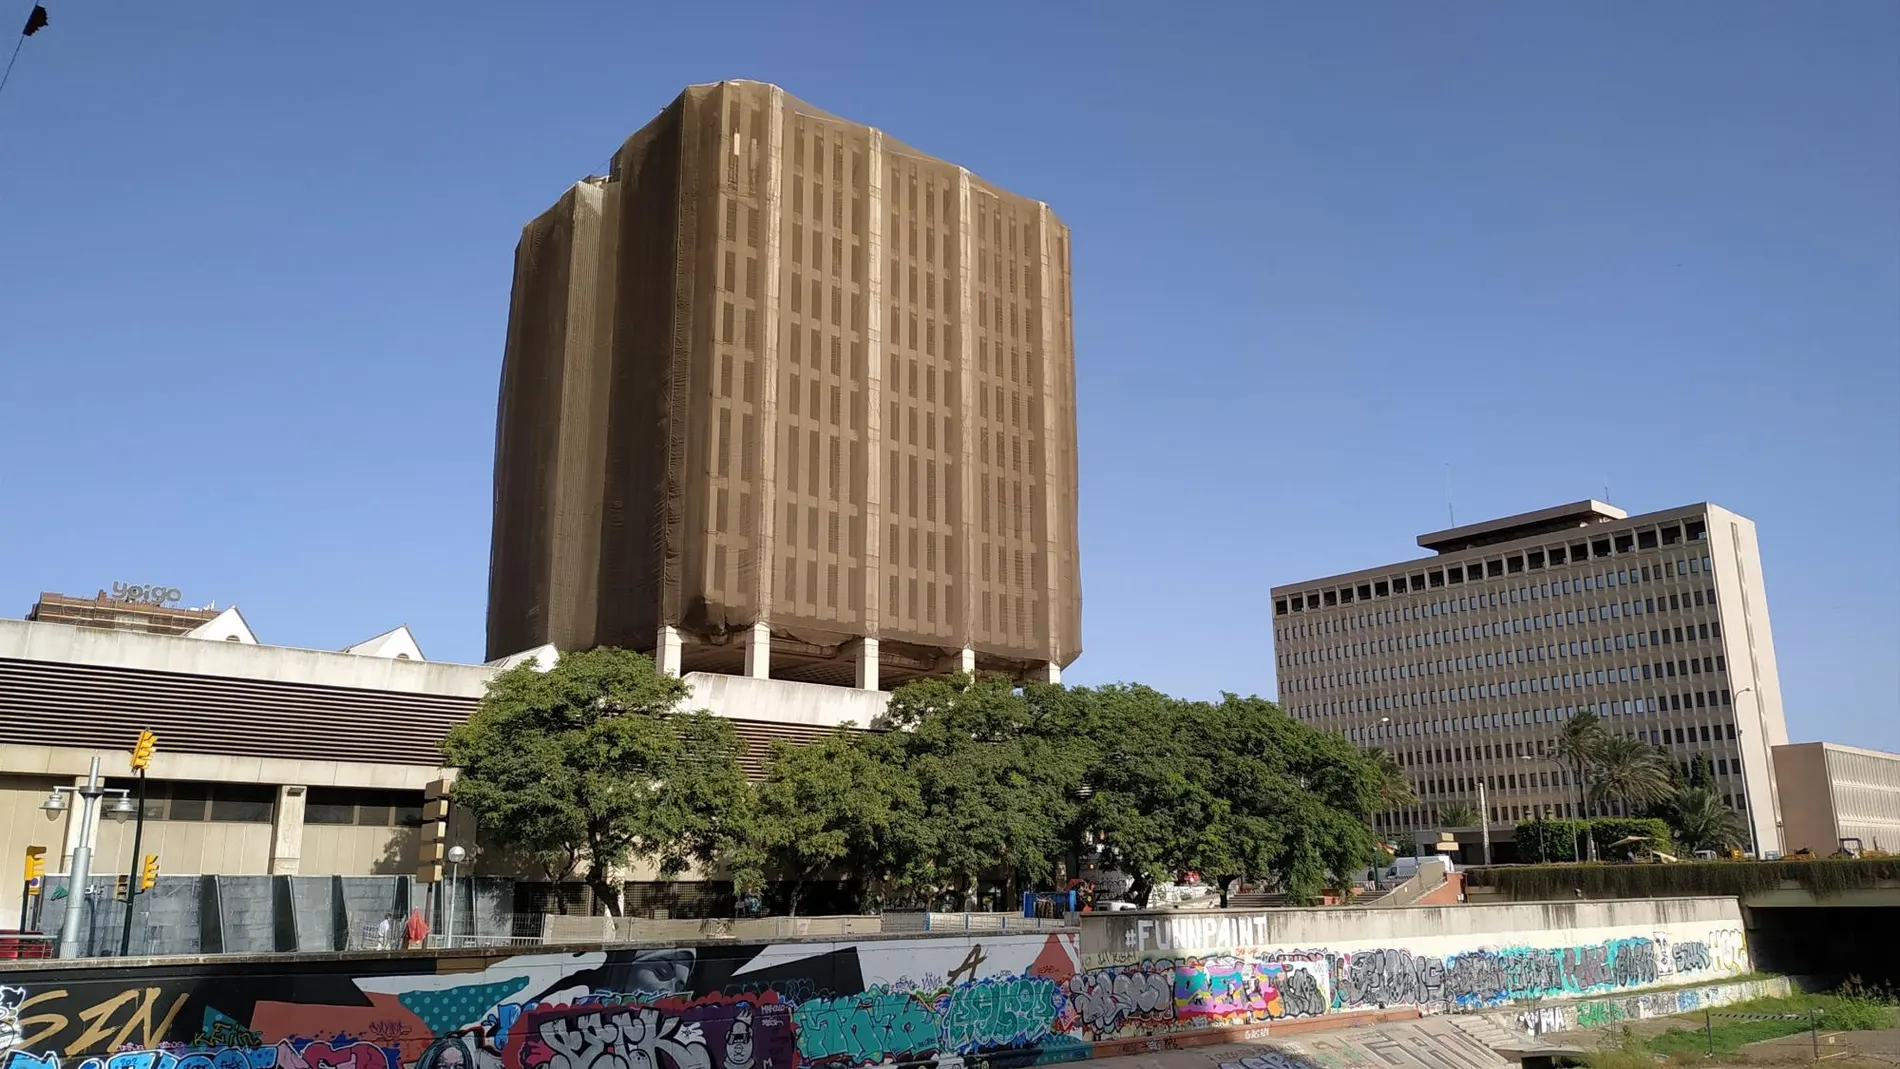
(1523, 525)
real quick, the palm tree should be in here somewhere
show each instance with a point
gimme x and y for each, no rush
(1700, 820)
(1395, 788)
(1629, 770)
(1459, 815)
(1576, 748)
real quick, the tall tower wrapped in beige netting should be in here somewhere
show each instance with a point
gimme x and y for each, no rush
(784, 396)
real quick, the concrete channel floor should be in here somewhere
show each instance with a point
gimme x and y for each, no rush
(1476, 1042)
(1450, 1042)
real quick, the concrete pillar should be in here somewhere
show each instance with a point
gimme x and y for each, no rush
(286, 834)
(965, 661)
(74, 806)
(867, 664)
(1049, 672)
(666, 653)
(758, 652)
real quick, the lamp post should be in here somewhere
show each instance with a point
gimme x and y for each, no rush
(1484, 819)
(457, 855)
(80, 871)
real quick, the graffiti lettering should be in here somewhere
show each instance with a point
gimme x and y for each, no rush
(10, 1000)
(1691, 957)
(1014, 1001)
(1107, 999)
(1271, 1059)
(1539, 1021)
(997, 1012)
(866, 1029)
(1300, 995)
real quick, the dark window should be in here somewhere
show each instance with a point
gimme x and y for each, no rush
(363, 807)
(243, 803)
(319, 809)
(189, 801)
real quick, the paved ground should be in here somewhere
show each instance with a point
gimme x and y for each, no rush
(1468, 1042)
(1857, 1048)
(1428, 1043)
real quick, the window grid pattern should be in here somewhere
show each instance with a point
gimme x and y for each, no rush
(1465, 670)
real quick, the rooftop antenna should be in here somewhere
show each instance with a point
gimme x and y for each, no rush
(1450, 513)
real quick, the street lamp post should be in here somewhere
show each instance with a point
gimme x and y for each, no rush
(1484, 820)
(456, 856)
(80, 872)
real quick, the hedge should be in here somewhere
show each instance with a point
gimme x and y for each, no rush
(1558, 840)
(1821, 877)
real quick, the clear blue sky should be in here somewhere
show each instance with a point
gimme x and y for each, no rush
(254, 268)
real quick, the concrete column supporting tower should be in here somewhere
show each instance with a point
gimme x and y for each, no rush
(286, 837)
(867, 664)
(758, 652)
(966, 661)
(1050, 672)
(666, 652)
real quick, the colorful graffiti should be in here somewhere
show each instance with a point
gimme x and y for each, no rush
(1005, 1000)
(1609, 1012)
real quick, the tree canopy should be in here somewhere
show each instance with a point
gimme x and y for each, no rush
(963, 781)
(592, 765)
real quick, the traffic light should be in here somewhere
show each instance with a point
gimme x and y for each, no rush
(142, 750)
(35, 866)
(122, 888)
(149, 876)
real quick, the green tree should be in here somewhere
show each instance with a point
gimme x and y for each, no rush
(1629, 770)
(838, 805)
(1395, 787)
(997, 778)
(1459, 814)
(1575, 748)
(591, 765)
(1700, 820)
(1701, 772)
(1148, 807)
(1293, 803)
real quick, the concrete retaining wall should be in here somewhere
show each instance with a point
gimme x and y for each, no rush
(1609, 1012)
(1124, 982)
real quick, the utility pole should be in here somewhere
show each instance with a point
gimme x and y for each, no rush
(80, 873)
(141, 757)
(1484, 820)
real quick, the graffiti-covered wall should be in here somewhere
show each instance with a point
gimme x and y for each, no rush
(945, 1001)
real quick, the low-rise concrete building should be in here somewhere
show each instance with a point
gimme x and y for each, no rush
(274, 760)
(1831, 792)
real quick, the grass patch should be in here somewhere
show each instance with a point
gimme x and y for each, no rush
(1837, 1013)
(1623, 1050)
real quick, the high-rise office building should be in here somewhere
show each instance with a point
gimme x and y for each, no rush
(783, 395)
(1465, 665)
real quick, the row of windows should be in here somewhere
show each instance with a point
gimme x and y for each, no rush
(1521, 655)
(926, 600)
(1497, 599)
(1535, 749)
(1601, 612)
(1513, 564)
(1389, 729)
(363, 807)
(182, 801)
(178, 800)
(1537, 685)
(1425, 816)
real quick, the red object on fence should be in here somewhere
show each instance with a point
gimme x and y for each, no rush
(17, 945)
(415, 929)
